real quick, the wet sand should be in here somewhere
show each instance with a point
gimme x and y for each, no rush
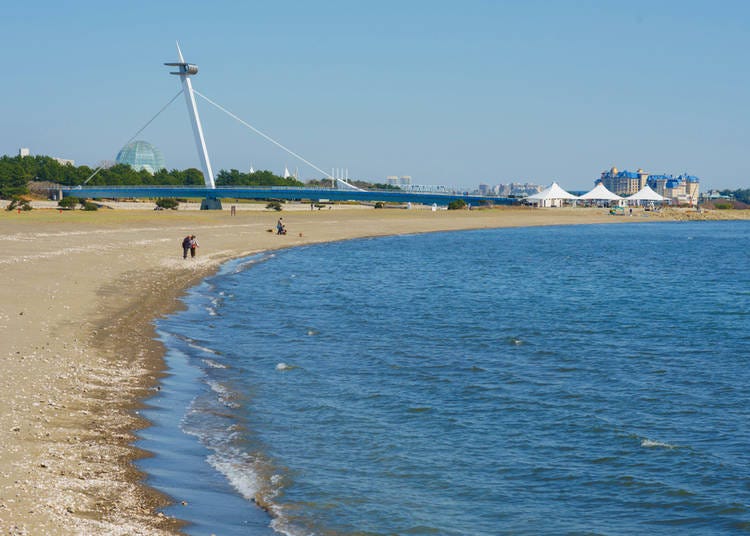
(79, 293)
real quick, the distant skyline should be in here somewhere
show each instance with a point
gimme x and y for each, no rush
(452, 93)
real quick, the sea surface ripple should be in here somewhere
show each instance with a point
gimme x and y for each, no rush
(552, 380)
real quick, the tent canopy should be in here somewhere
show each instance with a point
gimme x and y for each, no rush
(552, 192)
(600, 192)
(645, 194)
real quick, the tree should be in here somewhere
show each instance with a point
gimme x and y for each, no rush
(258, 178)
(739, 195)
(68, 203)
(457, 204)
(19, 203)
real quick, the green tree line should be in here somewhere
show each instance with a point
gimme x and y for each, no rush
(740, 195)
(17, 171)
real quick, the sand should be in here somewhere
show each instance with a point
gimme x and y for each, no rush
(79, 293)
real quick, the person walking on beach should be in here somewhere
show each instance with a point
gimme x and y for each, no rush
(280, 227)
(185, 246)
(193, 245)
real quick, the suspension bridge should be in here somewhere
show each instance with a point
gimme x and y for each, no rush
(211, 195)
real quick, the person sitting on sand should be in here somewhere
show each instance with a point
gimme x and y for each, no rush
(193, 245)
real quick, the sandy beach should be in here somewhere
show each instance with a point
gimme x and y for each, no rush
(80, 292)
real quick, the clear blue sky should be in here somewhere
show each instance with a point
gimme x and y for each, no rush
(453, 93)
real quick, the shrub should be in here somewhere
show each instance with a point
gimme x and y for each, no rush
(68, 202)
(275, 205)
(19, 203)
(723, 206)
(88, 205)
(457, 204)
(379, 204)
(167, 202)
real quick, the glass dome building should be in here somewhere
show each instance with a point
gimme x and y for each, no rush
(141, 155)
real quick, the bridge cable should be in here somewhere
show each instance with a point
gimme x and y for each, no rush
(97, 170)
(262, 134)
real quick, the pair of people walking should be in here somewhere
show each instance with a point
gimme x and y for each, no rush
(189, 243)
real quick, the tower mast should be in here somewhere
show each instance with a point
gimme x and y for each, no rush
(185, 71)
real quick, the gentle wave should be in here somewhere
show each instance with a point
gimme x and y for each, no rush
(648, 443)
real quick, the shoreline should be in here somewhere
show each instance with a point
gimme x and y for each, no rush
(79, 349)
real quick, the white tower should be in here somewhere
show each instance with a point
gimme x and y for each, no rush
(187, 70)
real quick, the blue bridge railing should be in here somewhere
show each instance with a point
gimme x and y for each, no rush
(276, 192)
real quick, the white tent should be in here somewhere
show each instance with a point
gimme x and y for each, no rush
(552, 196)
(600, 193)
(645, 194)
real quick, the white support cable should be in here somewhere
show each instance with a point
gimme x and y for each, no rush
(248, 125)
(97, 170)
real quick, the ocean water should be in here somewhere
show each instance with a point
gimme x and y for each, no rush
(557, 380)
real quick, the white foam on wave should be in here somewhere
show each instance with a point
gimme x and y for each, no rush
(213, 364)
(240, 474)
(225, 395)
(249, 263)
(649, 444)
(204, 349)
(281, 525)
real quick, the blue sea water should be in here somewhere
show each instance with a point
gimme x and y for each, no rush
(551, 380)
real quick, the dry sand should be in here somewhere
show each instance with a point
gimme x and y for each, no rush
(79, 293)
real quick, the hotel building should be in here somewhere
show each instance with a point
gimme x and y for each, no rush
(680, 190)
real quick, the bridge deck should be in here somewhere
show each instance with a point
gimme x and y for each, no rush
(315, 194)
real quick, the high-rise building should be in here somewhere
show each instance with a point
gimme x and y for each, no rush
(402, 182)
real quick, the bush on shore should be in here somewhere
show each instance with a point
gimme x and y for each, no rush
(68, 203)
(167, 203)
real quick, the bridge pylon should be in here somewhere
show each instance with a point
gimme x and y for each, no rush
(185, 71)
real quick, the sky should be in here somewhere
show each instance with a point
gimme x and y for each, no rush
(454, 93)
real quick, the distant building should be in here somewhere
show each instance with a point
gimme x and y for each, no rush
(683, 189)
(516, 189)
(623, 182)
(23, 152)
(402, 182)
(141, 155)
(712, 195)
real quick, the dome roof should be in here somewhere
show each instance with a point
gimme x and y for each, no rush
(141, 155)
